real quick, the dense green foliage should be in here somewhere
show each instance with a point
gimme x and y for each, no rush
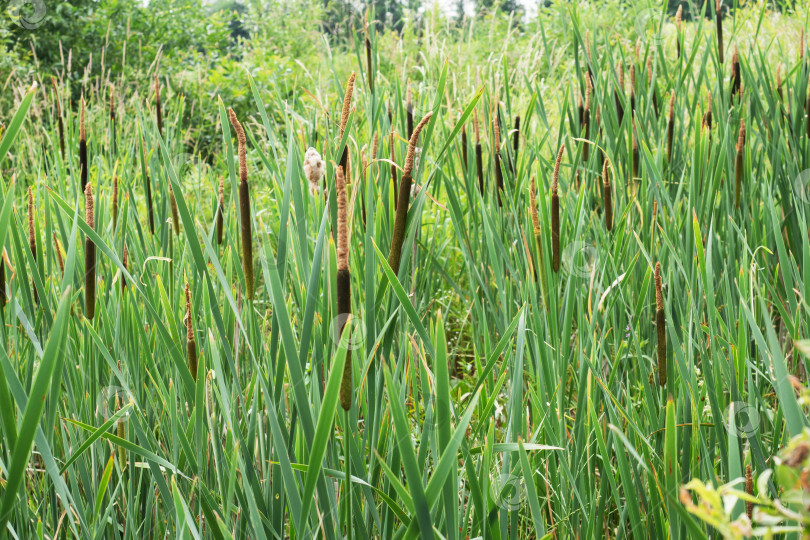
(147, 391)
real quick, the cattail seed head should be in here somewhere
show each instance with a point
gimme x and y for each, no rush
(191, 346)
(607, 195)
(671, 125)
(158, 109)
(220, 211)
(749, 489)
(342, 222)
(244, 206)
(59, 260)
(347, 104)
(374, 148)
(555, 212)
(82, 146)
(409, 108)
(115, 201)
(533, 206)
(718, 15)
(89, 257)
(314, 168)
(660, 326)
(736, 75)
(738, 172)
(400, 218)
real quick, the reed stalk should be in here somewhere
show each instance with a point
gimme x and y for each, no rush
(244, 203)
(158, 108)
(115, 201)
(586, 118)
(149, 209)
(515, 144)
(670, 126)
(175, 215)
(32, 240)
(125, 263)
(679, 28)
(112, 120)
(496, 139)
(479, 154)
(400, 218)
(540, 270)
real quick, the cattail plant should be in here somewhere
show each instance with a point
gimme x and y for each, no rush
(191, 345)
(89, 256)
(496, 139)
(679, 28)
(736, 76)
(670, 126)
(617, 91)
(409, 109)
(718, 15)
(632, 91)
(779, 82)
(555, 212)
(651, 84)
(660, 327)
(538, 238)
(369, 67)
(749, 489)
(3, 292)
(586, 117)
(479, 154)
(464, 147)
(112, 119)
(32, 239)
(175, 215)
(344, 119)
(634, 136)
(515, 144)
(393, 158)
(244, 203)
(738, 171)
(125, 263)
(59, 121)
(149, 211)
(115, 201)
(220, 211)
(59, 260)
(344, 295)
(158, 109)
(82, 146)
(398, 237)
(607, 195)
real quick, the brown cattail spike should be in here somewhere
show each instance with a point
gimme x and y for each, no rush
(496, 136)
(125, 263)
(89, 257)
(679, 27)
(32, 238)
(82, 146)
(112, 118)
(175, 214)
(618, 93)
(347, 104)
(158, 109)
(220, 211)
(533, 207)
(191, 345)
(115, 201)
(718, 15)
(738, 172)
(660, 326)
(369, 66)
(464, 147)
(636, 157)
(607, 195)
(60, 122)
(555, 212)
(400, 218)
(344, 298)
(671, 126)
(244, 204)
(586, 119)
(59, 260)
(409, 109)
(749, 489)
(736, 76)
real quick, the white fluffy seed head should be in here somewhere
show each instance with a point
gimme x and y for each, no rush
(314, 166)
